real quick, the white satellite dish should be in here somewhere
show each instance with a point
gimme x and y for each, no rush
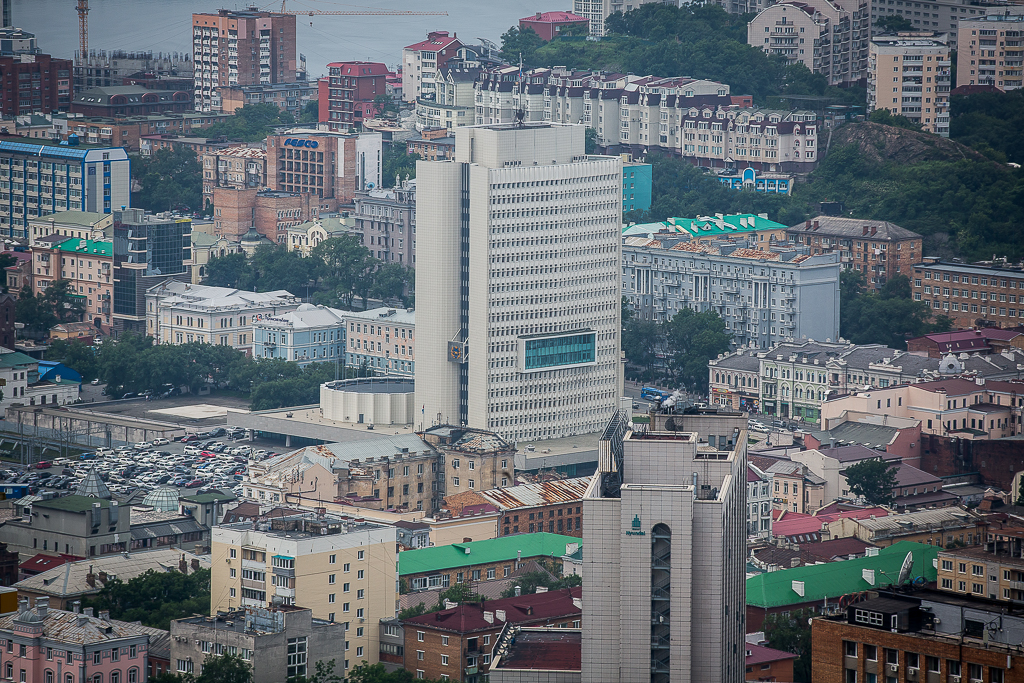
(908, 564)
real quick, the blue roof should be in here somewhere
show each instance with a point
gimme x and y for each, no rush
(45, 150)
(50, 370)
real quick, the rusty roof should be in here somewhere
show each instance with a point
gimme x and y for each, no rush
(543, 493)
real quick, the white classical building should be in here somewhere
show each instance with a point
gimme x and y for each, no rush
(664, 541)
(181, 313)
(524, 306)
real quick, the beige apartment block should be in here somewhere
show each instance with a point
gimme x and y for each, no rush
(342, 568)
(909, 74)
(990, 50)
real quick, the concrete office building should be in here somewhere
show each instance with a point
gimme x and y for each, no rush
(342, 568)
(56, 178)
(765, 293)
(916, 67)
(992, 50)
(525, 306)
(664, 534)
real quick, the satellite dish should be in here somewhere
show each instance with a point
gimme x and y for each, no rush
(908, 564)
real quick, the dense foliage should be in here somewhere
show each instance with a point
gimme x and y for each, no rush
(168, 180)
(873, 479)
(397, 164)
(701, 40)
(887, 118)
(990, 122)
(791, 632)
(155, 598)
(337, 271)
(677, 350)
(889, 317)
(251, 123)
(39, 312)
(377, 673)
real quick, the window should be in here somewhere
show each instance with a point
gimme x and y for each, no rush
(332, 559)
(870, 652)
(419, 637)
(185, 666)
(361, 555)
(297, 656)
(444, 660)
(97, 657)
(331, 578)
(419, 656)
(444, 640)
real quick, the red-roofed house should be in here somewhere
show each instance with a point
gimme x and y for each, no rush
(421, 62)
(548, 25)
(347, 94)
(983, 340)
(456, 643)
(765, 664)
(41, 562)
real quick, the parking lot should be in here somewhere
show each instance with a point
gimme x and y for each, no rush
(197, 465)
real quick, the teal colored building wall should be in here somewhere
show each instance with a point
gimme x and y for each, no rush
(636, 187)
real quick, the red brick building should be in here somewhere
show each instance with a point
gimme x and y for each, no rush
(549, 25)
(347, 95)
(456, 643)
(35, 84)
(552, 506)
(271, 212)
(878, 249)
(765, 664)
(326, 165)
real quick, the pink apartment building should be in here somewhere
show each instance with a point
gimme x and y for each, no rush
(42, 645)
(88, 265)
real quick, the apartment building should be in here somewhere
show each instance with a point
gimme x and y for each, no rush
(544, 506)
(235, 167)
(991, 51)
(796, 488)
(386, 221)
(916, 67)
(969, 409)
(527, 366)
(548, 25)
(128, 131)
(382, 340)
(88, 266)
(878, 249)
(452, 104)
(308, 334)
(88, 225)
(46, 645)
(279, 643)
(247, 47)
(291, 97)
(995, 571)
(35, 83)
(456, 643)
(733, 380)
(102, 68)
(940, 527)
(323, 164)
(756, 228)
(130, 100)
(348, 95)
(597, 11)
(270, 213)
(474, 459)
(421, 62)
(342, 568)
(664, 534)
(59, 178)
(182, 313)
(970, 295)
(765, 294)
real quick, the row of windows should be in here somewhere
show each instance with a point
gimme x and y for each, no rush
(912, 660)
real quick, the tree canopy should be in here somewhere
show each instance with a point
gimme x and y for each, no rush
(155, 598)
(873, 479)
(890, 316)
(251, 123)
(990, 122)
(677, 349)
(790, 632)
(397, 163)
(168, 179)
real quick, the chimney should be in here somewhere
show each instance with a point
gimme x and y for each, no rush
(500, 613)
(87, 612)
(519, 591)
(105, 615)
(874, 230)
(183, 565)
(102, 576)
(194, 564)
(815, 224)
(864, 231)
(90, 578)
(794, 562)
(22, 605)
(76, 606)
(807, 225)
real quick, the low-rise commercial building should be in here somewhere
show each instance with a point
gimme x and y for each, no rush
(308, 334)
(86, 225)
(381, 340)
(469, 562)
(279, 643)
(549, 25)
(181, 313)
(985, 340)
(342, 567)
(290, 97)
(521, 651)
(130, 100)
(941, 528)
(795, 487)
(915, 66)
(983, 572)
(206, 247)
(88, 267)
(24, 383)
(304, 237)
(457, 643)
(552, 506)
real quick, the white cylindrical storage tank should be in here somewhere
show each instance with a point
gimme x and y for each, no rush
(369, 400)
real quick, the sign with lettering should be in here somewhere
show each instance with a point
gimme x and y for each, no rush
(296, 142)
(636, 530)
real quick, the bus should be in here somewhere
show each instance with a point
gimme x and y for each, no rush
(652, 394)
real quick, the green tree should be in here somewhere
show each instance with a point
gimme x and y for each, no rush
(6, 261)
(529, 582)
(790, 632)
(873, 479)
(346, 267)
(376, 673)
(66, 304)
(519, 43)
(385, 105)
(990, 122)
(893, 23)
(168, 179)
(641, 340)
(35, 313)
(155, 598)
(887, 118)
(397, 164)
(1020, 492)
(225, 669)
(890, 316)
(226, 271)
(692, 339)
(390, 281)
(323, 673)
(251, 123)
(75, 355)
(310, 113)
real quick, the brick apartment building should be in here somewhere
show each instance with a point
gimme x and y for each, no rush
(971, 295)
(347, 95)
(878, 249)
(235, 167)
(552, 506)
(456, 643)
(549, 25)
(271, 212)
(128, 131)
(35, 83)
(325, 165)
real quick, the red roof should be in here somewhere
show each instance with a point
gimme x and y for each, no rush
(436, 40)
(361, 68)
(41, 562)
(838, 547)
(554, 17)
(537, 608)
(759, 654)
(559, 650)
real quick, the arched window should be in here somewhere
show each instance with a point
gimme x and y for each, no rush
(48, 676)
(133, 675)
(98, 678)
(69, 678)
(115, 677)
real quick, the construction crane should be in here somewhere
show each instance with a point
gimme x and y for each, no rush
(83, 28)
(353, 13)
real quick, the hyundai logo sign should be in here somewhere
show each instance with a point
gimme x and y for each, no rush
(295, 142)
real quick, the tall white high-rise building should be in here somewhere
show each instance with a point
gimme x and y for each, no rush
(664, 544)
(517, 283)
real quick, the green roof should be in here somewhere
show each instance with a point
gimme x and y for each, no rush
(501, 549)
(706, 226)
(83, 218)
(9, 360)
(201, 239)
(204, 498)
(71, 503)
(836, 579)
(92, 247)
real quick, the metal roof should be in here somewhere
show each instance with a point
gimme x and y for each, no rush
(543, 493)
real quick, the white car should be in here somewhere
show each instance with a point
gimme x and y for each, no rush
(192, 450)
(104, 452)
(143, 445)
(160, 441)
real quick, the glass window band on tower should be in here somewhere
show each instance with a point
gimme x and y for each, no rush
(544, 351)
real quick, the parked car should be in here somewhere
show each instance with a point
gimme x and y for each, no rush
(104, 452)
(143, 445)
(43, 465)
(160, 441)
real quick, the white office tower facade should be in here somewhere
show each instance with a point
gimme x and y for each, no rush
(664, 551)
(517, 293)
